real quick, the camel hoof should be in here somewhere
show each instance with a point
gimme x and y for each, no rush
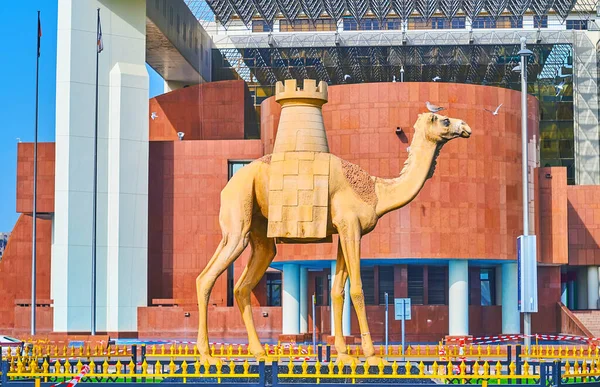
(203, 359)
(345, 359)
(376, 360)
(261, 356)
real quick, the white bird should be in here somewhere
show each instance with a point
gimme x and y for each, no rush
(436, 78)
(433, 108)
(18, 139)
(153, 115)
(180, 135)
(559, 88)
(495, 112)
(393, 78)
(346, 77)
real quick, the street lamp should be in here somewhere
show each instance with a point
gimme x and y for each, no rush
(402, 74)
(526, 245)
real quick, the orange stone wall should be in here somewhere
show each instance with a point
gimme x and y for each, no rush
(584, 224)
(45, 182)
(471, 208)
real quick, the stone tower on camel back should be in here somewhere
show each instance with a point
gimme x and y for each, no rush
(299, 181)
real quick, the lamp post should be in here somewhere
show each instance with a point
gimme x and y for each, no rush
(526, 249)
(402, 74)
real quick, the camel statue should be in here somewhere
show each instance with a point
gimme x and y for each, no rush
(356, 201)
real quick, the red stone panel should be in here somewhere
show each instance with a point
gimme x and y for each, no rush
(553, 220)
(15, 276)
(584, 224)
(45, 181)
(209, 111)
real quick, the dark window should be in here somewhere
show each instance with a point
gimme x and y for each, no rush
(487, 278)
(458, 22)
(415, 284)
(367, 275)
(319, 291)
(184, 32)
(577, 24)
(386, 283)
(164, 8)
(178, 24)
(300, 25)
(261, 26)
(235, 166)
(230, 285)
(273, 289)
(436, 285)
(171, 15)
(483, 22)
(500, 22)
(157, 4)
(196, 45)
(435, 23)
(540, 21)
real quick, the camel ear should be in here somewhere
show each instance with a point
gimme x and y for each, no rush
(433, 117)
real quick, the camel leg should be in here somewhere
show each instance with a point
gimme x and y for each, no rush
(230, 248)
(337, 303)
(263, 252)
(350, 236)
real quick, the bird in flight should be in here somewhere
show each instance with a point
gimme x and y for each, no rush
(347, 77)
(153, 116)
(433, 108)
(495, 112)
(559, 88)
(436, 78)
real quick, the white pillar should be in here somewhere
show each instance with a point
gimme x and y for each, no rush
(592, 287)
(458, 297)
(290, 301)
(122, 206)
(304, 300)
(582, 296)
(346, 325)
(511, 320)
(346, 316)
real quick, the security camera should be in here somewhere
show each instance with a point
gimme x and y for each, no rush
(180, 135)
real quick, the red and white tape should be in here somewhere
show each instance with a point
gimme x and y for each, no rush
(71, 383)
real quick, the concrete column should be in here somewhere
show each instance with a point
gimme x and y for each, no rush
(346, 327)
(290, 300)
(582, 295)
(592, 287)
(304, 300)
(122, 206)
(511, 320)
(458, 297)
(173, 85)
(346, 317)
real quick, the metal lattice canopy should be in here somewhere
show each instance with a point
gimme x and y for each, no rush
(268, 10)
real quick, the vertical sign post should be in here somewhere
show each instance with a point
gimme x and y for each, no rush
(402, 312)
(386, 324)
(314, 324)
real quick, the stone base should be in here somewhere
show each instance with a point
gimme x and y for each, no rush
(350, 340)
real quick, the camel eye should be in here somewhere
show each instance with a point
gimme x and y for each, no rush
(446, 122)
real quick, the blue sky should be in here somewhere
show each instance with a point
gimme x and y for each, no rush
(18, 37)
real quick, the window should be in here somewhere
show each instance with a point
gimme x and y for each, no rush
(415, 285)
(371, 24)
(273, 289)
(165, 9)
(319, 291)
(261, 26)
(171, 15)
(500, 22)
(483, 22)
(436, 285)
(540, 21)
(157, 4)
(487, 278)
(177, 24)
(184, 32)
(576, 24)
(196, 45)
(386, 283)
(235, 166)
(435, 23)
(301, 25)
(367, 275)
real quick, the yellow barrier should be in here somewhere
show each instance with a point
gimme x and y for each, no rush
(564, 352)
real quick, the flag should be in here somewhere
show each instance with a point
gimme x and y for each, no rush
(99, 29)
(39, 35)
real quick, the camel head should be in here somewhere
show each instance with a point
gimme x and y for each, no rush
(441, 129)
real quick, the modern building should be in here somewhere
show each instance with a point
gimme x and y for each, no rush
(452, 250)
